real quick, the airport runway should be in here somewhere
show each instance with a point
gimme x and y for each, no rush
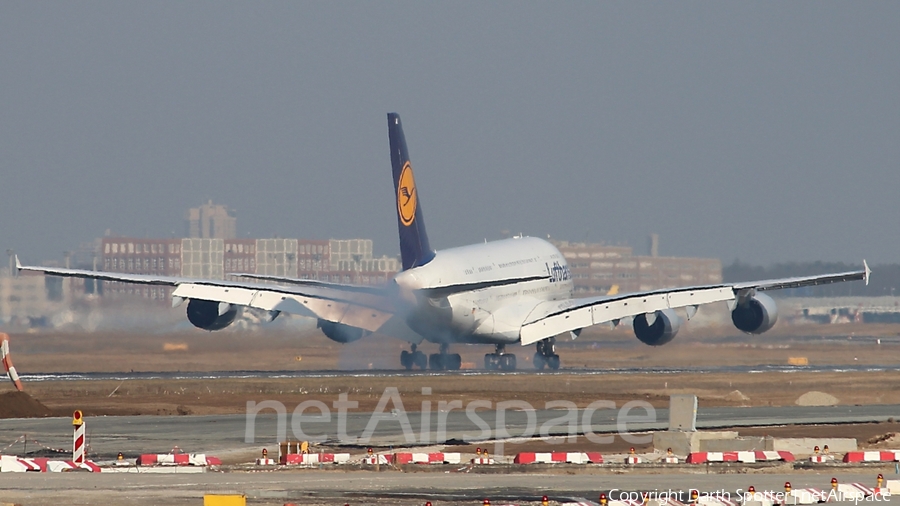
(313, 487)
(758, 369)
(222, 434)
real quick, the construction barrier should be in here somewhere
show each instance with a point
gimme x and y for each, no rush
(873, 456)
(893, 486)
(426, 458)
(315, 458)
(558, 457)
(854, 491)
(13, 464)
(743, 457)
(377, 459)
(483, 461)
(7, 362)
(78, 437)
(177, 459)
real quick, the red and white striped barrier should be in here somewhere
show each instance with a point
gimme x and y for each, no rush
(821, 459)
(427, 458)
(265, 462)
(483, 461)
(633, 459)
(377, 459)
(13, 464)
(177, 459)
(743, 457)
(558, 458)
(854, 491)
(61, 466)
(873, 456)
(78, 437)
(7, 362)
(315, 458)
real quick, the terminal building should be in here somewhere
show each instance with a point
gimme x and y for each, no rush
(598, 269)
(333, 260)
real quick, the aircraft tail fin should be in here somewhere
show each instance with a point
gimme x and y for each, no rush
(414, 247)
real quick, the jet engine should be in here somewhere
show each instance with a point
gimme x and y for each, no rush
(211, 315)
(756, 314)
(661, 331)
(340, 332)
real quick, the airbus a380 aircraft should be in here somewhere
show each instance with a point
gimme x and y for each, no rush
(514, 291)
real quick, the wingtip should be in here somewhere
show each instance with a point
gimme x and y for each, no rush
(18, 264)
(868, 271)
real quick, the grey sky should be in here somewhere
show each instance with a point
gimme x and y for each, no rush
(768, 131)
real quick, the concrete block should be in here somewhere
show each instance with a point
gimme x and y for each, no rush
(807, 445)
(683, 413)
(683, 443)
(738, 444)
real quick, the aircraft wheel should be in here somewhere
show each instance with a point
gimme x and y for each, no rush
(491, 361)
(406, 359)
(508, 362)
(539, 361)
(436, 362)
(453, 362)
(419, 359)
(553, 362)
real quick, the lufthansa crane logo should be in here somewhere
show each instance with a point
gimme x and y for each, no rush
(406, 195)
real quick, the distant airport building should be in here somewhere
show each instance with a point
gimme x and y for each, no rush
(597, 268)
(211, 221)
(340, 261)
(28, 300)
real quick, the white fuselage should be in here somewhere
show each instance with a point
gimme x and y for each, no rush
(482, 293)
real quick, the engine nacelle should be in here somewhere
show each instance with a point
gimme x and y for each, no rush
(204, 314)
(661, 331)
(755, 315)
(340, 332)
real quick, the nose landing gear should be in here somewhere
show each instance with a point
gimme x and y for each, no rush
(546, 354)
(500, 360)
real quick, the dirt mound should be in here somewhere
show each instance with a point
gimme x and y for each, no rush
(816, 399)
(22, 405)
(736, 396)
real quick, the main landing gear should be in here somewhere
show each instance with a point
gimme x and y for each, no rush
(416, 358)
(546, 354)
(444, 361)
(500, 360)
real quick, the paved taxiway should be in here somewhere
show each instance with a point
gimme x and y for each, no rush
(214, 434)
(126, 376)
(311, 487)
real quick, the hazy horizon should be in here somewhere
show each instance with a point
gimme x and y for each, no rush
(766, 132)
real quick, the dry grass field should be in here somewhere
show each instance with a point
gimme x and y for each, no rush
(832, 345)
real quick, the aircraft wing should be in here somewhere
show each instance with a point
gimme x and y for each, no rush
(551, 318)
(364, 307)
